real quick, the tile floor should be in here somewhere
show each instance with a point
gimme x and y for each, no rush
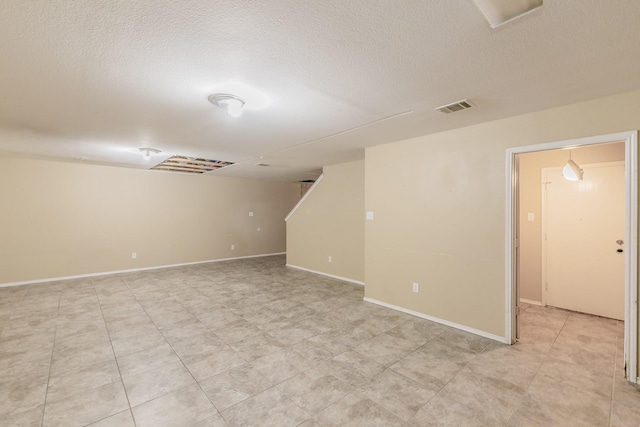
(252, 342)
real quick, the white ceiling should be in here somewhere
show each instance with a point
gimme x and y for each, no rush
(93, 80)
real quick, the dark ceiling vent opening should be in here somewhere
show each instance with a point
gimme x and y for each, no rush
(262, 164)
(190, 165)
(455, 106)
(307, 181)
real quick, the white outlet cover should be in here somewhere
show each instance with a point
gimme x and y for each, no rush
(233, 247)
(133, 255)
(416, 287)
(530, 216)
(250, 213)
(370, 216)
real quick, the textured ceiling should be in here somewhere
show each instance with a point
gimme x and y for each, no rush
(93, 80)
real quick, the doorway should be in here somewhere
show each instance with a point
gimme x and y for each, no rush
(513, 239)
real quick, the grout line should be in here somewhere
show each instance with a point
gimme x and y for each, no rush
(114, 355)
(613, 382)
(53, 346)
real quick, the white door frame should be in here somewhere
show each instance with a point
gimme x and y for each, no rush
(630, 139)
(543, 217)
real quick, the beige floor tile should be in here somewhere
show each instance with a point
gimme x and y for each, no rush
(29, 370)
(185, 329)
(417, 330)
(157, 382)
(316, 351)
(21, 396)
(81, 327)
(255, 347)
(624, 392)
(237, 331)
(398, 394)
(192, 348)
(234, 385)
(386, 349)
(146, 360)
(67, 360)
(88, 407)
(625, 416)
(553, 402)
(28, 418)
(123, 419)
(206, 365)
(513, 355)
(352, 367)
(65, 385)
(314, 389)
(596, 378)
(495, 397)
(428, 370)
(125, 346)
(356, 410)
(213, 421)
(502, 374)
(282, 365)
(444, 410)
(269, 408)
(183, 407)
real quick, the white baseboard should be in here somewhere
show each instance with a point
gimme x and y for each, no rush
(441, 321)
(530, 301)
(132, 270)
(344, 279)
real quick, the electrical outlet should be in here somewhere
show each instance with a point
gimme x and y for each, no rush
(370, 216)
(133, 255)
(250, 213)
(233, 247)
(329, 259)
(416, 287)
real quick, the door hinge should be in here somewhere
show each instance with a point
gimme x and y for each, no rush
(517, 310)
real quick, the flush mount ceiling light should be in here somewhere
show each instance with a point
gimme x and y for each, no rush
(231, 103)
(572, 171)
(499, 12)
(147, 152)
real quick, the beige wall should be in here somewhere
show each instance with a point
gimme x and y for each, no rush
(439, 205)
(63, 219)
(531, 165)
(330, 222)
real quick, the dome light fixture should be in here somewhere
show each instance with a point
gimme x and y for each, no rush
(572, 171)
(147, 152)
(231, 103)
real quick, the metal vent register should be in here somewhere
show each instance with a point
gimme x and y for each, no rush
(190, 165)
(455, 106)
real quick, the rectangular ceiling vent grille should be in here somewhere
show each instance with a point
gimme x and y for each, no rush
(190, 165)
(455, 106)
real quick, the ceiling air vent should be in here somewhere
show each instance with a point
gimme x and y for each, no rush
(455, 106)
(264, 165)
(190, 165)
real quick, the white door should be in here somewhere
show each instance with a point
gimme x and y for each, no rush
(584, 228)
